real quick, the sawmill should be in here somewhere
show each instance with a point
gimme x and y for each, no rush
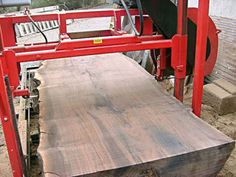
(101, 114)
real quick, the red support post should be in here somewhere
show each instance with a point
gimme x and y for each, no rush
(179, 50)
(200, 56)
(161, 65)
(11, 68)
(7, 33)
(62, 23)
(117, 20)
(8, 128)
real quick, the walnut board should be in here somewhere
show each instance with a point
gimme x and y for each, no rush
(105, 116)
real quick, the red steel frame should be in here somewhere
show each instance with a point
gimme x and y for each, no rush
(109, 42)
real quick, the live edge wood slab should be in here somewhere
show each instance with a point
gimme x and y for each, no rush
(105, 116)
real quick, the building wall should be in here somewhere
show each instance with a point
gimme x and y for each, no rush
(221, 8)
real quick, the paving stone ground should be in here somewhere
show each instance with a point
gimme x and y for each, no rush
(221, 96)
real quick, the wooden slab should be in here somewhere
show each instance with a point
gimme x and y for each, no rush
(105, 116)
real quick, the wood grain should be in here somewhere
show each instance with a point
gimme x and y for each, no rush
(105, 116)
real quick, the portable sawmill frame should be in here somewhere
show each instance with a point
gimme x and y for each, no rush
(110, 41)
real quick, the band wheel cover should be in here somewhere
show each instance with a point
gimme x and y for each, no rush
(212, 36)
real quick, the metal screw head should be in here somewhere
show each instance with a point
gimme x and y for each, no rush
(5, 119)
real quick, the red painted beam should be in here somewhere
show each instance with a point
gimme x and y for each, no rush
(200, 56)
(179, 50)
(11, 68)
(24, 92)
(8, 128)
(20, 49)
(70, 15)
(55, 54)
(7, 33)
(104, 41)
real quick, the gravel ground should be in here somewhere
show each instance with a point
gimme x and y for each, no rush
(5, 169)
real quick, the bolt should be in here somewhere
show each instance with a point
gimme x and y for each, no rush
(5, 119)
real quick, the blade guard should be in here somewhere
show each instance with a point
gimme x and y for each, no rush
(212, 36)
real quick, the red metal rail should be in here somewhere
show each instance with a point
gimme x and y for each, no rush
(106, 42)
(202, 29)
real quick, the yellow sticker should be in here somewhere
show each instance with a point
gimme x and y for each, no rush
(97, 41)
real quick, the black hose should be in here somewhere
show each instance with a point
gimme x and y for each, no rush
(36, 26)
(140, 9)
